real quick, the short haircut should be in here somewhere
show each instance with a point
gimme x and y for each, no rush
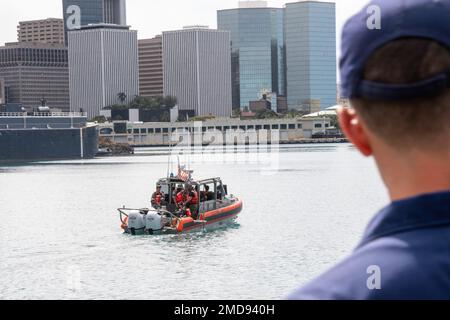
(414, 123)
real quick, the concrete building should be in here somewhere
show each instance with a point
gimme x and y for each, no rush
(289, 130)
(78, 13)
(103, 62)
(310, 37)
(2, 91)
(197, 70)
(42, 31)
(151, 83)
(257, 50)
(35, 73)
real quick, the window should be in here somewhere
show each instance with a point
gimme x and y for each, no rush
(275, 127)
(300, 126)
(158, 130)
(258, 127)
(136, 131)
(151, 130)
(283, 126)
(292, 126)
(318, 125)
(165, 130)
(143, 131)
(242, 127)
(266, 127)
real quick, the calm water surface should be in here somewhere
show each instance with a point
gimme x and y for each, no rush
(60, 236)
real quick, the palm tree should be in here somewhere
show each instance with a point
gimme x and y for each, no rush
(122, 96)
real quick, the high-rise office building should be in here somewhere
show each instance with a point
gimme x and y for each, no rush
(42, 31)
(257, 50)
(151, 67)
(310, 33)
(2, 92)
(197, 70)
(103, 62)
(35, 74)
(79, 13)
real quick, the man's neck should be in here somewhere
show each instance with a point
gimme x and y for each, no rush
(415, 174)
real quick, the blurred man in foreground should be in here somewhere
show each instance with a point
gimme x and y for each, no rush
(396, 73)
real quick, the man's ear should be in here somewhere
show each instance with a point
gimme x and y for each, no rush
(354, 130)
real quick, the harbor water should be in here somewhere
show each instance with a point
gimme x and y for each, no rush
(60, 235)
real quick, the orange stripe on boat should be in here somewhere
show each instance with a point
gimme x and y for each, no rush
(209, 214)
(222, 210)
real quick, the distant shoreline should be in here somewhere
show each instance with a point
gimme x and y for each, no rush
(294, 142)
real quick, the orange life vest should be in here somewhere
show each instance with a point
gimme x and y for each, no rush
(194, 198)
(179, 197)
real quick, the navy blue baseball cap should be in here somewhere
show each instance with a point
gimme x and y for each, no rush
(362, 36)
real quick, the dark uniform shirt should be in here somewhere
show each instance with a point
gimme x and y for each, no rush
(407, 246)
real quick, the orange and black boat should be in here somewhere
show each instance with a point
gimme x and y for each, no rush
(215, 209)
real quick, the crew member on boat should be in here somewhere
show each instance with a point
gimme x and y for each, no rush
(179, 197)
(158, 197)
(192, 201)
(206, 195)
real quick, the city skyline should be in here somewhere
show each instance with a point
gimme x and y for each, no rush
(151, 18)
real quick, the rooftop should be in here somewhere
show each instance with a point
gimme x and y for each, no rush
(196, 27)
(42, 21)
(33, 45)
(252, 4)
(102, 26)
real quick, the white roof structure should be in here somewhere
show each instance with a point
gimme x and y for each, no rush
(252, 4)
(331, 111)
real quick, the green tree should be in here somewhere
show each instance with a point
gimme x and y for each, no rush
(99, 119)
(170, 101)
(122, 96)
(236, 112)
(266, 114)
(138, 102)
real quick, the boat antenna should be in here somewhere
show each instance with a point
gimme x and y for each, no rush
(169, 157)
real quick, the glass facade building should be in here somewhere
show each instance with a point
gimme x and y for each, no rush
(257, 52)
(310, 37)
(79, 13)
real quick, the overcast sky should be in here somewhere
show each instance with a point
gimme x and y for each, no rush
(149, 17)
